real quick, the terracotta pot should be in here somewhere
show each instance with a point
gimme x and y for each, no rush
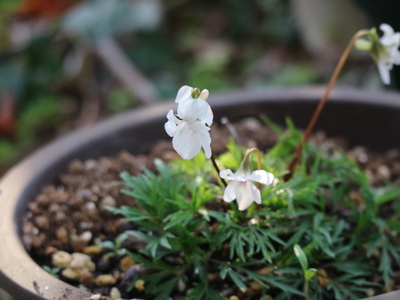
(365, 118)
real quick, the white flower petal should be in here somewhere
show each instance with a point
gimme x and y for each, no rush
(256, 194)
(205, 140)
(389, 53)
(261, 176)
(207, 116)
(229, 194)
(171, 124)
(384, 71)
(226, 174)
(184, 93)
(388, 34)
(244, 194)
(185, 142)
(204, 95)
(195, 110)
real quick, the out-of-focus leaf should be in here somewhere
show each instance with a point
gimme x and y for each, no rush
(301, 256)
(97, 18)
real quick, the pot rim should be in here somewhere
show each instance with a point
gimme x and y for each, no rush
(19, 274)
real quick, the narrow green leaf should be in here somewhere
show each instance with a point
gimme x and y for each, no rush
(301, 256)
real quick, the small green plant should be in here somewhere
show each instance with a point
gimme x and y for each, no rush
(307, 272)
(114, 248)
(52, 271)
(302, 212)
(191, 235)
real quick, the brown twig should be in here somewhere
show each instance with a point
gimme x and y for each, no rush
(322, 102)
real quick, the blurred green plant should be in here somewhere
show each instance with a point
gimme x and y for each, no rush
(119, 100)
(37, 124)
(6, 9)
(40, 117)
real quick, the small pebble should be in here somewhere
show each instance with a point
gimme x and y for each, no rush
(61, 259)
(71, 274)
(54, 208)
(60, 217)
(50, 250)
(91, 208)
(105, 279)
(116, 274)
(383, 173)
(77, 263)
(90, 164)
(255, 286)
(42, 200)
(107, 201)
(115, 293)
(92, 250)
(85, 259)
(62, 235)
(86, 236)
(125, 263)
(76, 167)
(81, 241)
(87, 278)
(104, 265)
(139, 285)
(42, 222)
(39, 240)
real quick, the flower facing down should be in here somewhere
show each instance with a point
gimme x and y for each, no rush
(389, 55)
(242, 189)
(190, 127)
(384, 50)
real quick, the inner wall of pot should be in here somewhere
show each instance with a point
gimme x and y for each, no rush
(373, 126)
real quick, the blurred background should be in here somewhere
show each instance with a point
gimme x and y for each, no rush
(66, 64)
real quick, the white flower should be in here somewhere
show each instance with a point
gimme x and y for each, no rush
(189, 128)
(241, 189)
(388, 54)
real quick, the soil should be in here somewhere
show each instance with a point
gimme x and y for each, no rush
(70, 214)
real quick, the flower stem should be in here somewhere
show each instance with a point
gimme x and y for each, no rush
(306, 290)
(259, 161)
(323, 100)
(217, 169)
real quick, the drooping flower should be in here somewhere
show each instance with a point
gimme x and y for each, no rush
(390, 54)
(241, 187)
(384, 50)
(189, 128)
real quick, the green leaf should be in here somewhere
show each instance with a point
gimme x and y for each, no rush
(236, 279)
(301, 256)
(309, 274)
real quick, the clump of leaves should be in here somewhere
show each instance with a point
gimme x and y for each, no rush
(308, 239)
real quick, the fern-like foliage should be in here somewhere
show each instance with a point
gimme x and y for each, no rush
(196, 241)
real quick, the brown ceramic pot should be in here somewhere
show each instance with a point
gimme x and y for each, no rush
(366, 118)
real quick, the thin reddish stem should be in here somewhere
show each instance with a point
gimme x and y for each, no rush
(322, 102)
